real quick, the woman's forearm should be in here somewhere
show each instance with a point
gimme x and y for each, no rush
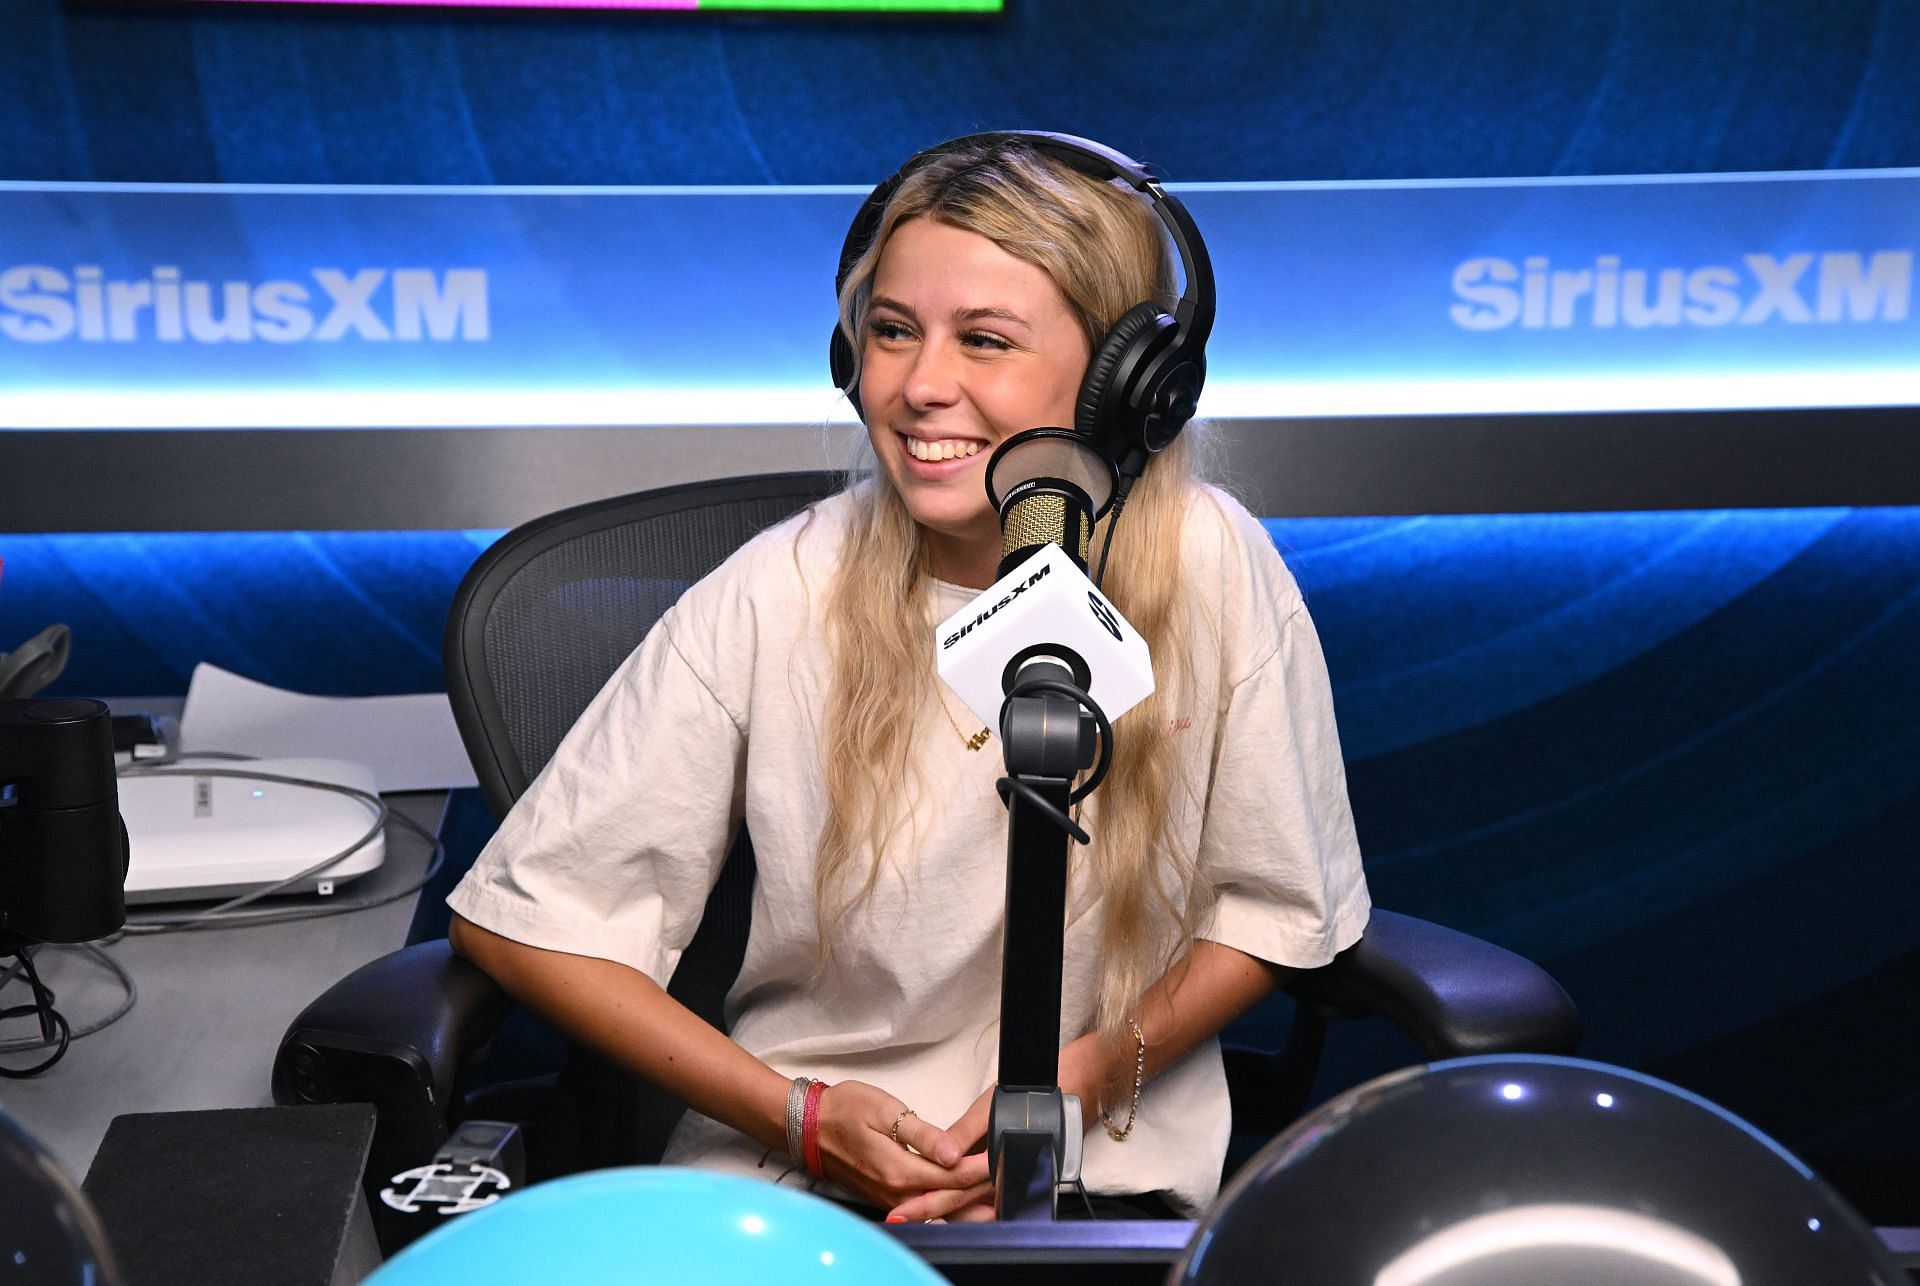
(630, 1019)
(1207, 988)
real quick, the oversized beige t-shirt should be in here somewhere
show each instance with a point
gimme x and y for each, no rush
(714, 718)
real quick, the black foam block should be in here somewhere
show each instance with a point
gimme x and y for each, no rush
(239, 1195)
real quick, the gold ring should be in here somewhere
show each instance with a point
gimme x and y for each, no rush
(894, 1133)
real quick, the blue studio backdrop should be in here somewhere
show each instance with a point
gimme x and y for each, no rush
(1674, 756)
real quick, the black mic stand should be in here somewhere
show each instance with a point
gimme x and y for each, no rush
(1050, 729)
(1034, 1134)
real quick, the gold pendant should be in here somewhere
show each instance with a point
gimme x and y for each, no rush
(977, 740)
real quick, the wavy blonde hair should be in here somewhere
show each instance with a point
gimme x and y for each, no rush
(1106, 252)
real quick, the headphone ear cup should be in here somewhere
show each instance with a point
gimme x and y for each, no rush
(840, 359)
(1105, 412)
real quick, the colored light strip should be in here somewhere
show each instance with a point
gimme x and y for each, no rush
(736, 6)
(654, 408)
(1734, 391)
(415, 408)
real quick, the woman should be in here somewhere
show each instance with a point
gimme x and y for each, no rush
(794, 689)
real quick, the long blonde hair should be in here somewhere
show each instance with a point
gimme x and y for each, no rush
(1105, 251)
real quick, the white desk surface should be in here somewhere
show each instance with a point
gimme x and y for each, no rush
(213, 1005)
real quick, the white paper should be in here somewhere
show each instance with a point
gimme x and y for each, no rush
(410, 742)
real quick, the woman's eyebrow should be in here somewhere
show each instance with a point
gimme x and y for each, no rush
(983, 313)
(991, 314)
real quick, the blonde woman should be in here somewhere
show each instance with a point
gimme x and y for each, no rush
(794, 690)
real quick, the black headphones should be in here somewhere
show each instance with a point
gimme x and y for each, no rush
(1144, 379)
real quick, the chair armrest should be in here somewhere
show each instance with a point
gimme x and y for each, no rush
(393, 1033)
(1455, 994)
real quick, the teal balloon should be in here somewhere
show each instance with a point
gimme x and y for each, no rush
(656, 1224)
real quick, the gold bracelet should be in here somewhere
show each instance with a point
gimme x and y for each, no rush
(1117, 1133)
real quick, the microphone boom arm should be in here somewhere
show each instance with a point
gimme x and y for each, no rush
(1034, 1134)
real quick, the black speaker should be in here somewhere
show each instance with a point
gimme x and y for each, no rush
(237, 1196)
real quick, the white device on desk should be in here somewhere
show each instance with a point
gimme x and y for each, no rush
(193, 833)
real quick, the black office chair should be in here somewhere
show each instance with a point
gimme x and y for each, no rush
(540, 622)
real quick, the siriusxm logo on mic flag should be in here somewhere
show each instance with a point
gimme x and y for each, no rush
(1045, 600)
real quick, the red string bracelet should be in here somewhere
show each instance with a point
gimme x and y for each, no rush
(810, 1130)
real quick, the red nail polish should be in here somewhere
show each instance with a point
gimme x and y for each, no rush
(896, 1218)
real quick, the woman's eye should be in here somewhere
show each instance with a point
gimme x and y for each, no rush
(883, 329)
(980, 339)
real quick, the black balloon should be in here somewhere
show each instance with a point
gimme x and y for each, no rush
(49, 1235)
(1521, 1171)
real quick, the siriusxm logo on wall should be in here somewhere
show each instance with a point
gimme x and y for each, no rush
(40, 304)
(127, 305)
(1847, 287)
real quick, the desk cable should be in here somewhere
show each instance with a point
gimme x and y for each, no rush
(55, 1033)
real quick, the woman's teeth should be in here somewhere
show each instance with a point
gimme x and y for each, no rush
(945, 449)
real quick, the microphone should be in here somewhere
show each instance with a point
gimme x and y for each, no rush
(1049, 487)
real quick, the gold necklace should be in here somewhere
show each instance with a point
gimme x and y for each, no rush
(974, 742)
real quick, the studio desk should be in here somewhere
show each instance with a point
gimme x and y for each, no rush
(212, 1007)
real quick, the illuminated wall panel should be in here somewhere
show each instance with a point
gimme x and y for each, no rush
(129, 306)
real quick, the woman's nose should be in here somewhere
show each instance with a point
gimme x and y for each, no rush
(933, 379)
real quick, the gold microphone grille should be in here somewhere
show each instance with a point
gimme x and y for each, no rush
(1040, 519)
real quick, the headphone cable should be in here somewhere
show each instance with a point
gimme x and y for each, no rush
(1120, 494)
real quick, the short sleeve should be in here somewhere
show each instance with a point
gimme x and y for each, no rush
(615, 846)
(1277, 846)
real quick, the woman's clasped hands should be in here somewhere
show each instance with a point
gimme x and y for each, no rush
(873, 1145)
(866, 1136)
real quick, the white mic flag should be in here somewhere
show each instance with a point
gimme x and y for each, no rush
(1044, 601)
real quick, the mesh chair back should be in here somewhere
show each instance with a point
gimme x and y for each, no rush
(538, 626)
(550, 611)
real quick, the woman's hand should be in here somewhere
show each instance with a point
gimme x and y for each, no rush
(859, 1152)
(1086, 1069)
(969, 1197)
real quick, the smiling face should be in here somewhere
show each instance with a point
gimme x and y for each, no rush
(964, 346)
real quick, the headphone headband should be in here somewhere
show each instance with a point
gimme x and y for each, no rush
(1194, 311)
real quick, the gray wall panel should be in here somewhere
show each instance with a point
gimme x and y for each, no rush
(398, 479)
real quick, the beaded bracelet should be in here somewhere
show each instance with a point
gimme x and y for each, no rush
(810, 1130)
(1117, 1133)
